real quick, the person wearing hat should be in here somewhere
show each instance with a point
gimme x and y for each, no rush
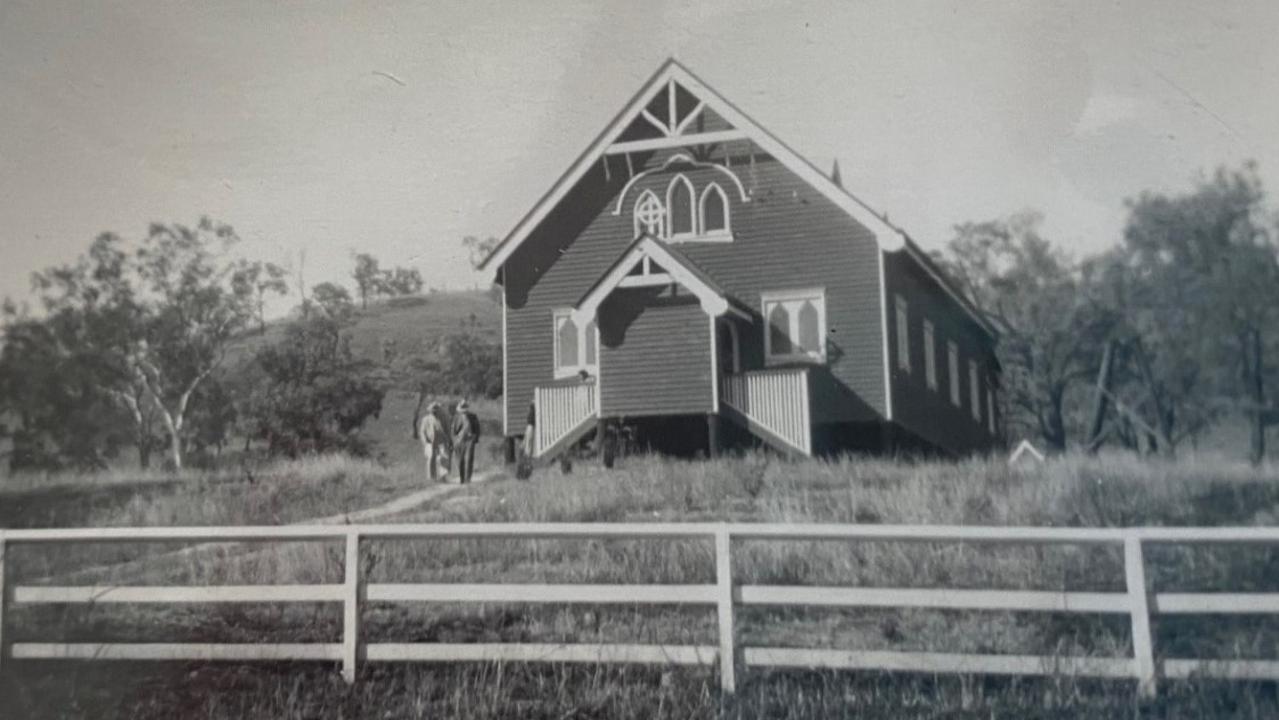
(466, 434)
(434, 442)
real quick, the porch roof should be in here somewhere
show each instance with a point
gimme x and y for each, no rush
(673, 267)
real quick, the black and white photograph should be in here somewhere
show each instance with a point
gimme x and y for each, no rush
(599, 360)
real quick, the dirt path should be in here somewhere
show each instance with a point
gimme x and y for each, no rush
(398, 505)
(128, 572)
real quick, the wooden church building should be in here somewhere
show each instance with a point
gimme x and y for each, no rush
(692, 277)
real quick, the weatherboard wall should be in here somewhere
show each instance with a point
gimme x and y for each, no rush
(655, 355)
(787, 236)
(926, 412)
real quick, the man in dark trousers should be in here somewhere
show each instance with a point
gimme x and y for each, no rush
(466, 433)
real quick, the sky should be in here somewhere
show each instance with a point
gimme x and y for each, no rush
(398, 128)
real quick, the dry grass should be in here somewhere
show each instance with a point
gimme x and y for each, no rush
(1109, 491)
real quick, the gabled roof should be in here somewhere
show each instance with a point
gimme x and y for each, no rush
(714, 299)
(889, 237)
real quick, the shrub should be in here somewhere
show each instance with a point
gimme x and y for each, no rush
(468, 365)
(310, 393)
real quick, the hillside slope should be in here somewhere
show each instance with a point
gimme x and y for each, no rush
(414, 324)
(395, 332)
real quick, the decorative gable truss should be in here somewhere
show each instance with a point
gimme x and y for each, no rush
(675, 109)
(650, 263)
(673, 117)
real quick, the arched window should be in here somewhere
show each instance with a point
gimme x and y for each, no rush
(713, 210)
(650, 217)
(796, 325)
(779, 331)
(590, 339)
(810, 329)
(679, 203)
(566, 356)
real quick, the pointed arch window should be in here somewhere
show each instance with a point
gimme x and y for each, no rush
(796, 325)
(810, 333)
(713, 211)
(650, 216)
(576, 346)
(779, 330)
(679, 203)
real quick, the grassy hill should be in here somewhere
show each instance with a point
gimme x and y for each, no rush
(392, 333)
(414, 325)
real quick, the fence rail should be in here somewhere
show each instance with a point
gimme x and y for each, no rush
(724, 595)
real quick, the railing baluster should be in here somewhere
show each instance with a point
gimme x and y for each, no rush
(724, 586)
(1142, 645)
(351, 608)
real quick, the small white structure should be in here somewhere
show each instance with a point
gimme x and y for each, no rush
(1025, 450)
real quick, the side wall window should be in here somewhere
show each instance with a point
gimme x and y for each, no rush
(974, 381)
(930, 355)
(796, 323)
(952, 358)
(576, 348)
(990, 408)
(903, 333)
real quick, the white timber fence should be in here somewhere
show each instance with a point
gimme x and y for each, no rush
(560, 409)
(723, 595)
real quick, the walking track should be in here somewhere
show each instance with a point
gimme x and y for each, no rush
(133, 570)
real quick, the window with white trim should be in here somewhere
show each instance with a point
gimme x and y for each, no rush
(795, 324)
(650, 216)
(974, 382)
(712, 212)
(930, 355)
(903, 333)
(681, 208)
(576, 348)
(952, 358)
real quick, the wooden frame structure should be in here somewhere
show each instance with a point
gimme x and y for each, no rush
(724, 595)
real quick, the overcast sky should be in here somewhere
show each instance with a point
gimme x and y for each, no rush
(277, 118)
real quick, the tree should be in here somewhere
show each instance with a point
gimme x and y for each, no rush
(255, 280)
(402, 281)
(1198, 286)
(464, 364)
(157, 321)
(1049, 333)
(214, 417)
(57, 414)
(369, 279)
(310, 393)
(193, 315)
(95, 318)
(334, 300)
(478, 249)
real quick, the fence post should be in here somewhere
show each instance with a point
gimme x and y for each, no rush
(351, 607)
(1142, 646)
(727, 641)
